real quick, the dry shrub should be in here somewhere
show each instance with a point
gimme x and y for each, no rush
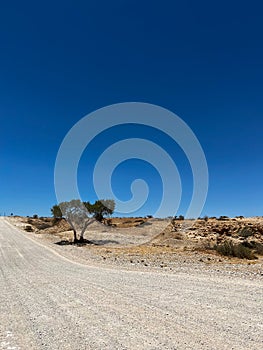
(236, 250)
(246, 232)
(259, 248)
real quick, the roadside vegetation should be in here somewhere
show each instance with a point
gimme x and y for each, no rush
(239, 250)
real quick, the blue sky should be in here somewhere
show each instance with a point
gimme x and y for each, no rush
(202, 60)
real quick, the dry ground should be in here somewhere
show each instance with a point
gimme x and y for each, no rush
(62, 297)
(153, 243)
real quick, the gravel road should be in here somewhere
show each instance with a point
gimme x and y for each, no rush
(50, 302)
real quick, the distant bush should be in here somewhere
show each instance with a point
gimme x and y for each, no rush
(236, 250)
(223, 217)
(35, 216)
(245, 232)
(28, 228)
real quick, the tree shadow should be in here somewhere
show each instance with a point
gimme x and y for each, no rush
(86, 242)
(104, 241)
(77, 243)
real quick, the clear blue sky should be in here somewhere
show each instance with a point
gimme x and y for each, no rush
(60, 60)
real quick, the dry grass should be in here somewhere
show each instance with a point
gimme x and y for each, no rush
(228, 248)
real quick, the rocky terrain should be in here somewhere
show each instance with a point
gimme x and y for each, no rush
(234, 245)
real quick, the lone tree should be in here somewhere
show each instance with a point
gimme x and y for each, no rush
(81, 214)
(77, 216)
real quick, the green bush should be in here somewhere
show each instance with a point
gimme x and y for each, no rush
(236, 250)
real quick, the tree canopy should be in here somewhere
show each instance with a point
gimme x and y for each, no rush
(100, 208)
(56, 211)
(81, 214)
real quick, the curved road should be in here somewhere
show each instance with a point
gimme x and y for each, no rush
(49, 302)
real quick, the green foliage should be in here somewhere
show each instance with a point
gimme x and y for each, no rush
(100, 208)
(236, 250)
(89, 207)
(56, 212)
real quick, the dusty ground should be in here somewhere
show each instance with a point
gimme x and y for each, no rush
(136, 243)
(51, 301)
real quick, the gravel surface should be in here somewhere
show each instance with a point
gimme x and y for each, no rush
(51, 302)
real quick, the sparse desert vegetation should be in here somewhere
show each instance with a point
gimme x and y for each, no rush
(159, 243)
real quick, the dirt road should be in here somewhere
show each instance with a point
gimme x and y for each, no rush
(49, 302)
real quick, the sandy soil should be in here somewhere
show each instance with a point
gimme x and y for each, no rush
(51, 301)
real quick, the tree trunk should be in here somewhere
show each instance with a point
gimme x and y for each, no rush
(81, 237)
(75, 235)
